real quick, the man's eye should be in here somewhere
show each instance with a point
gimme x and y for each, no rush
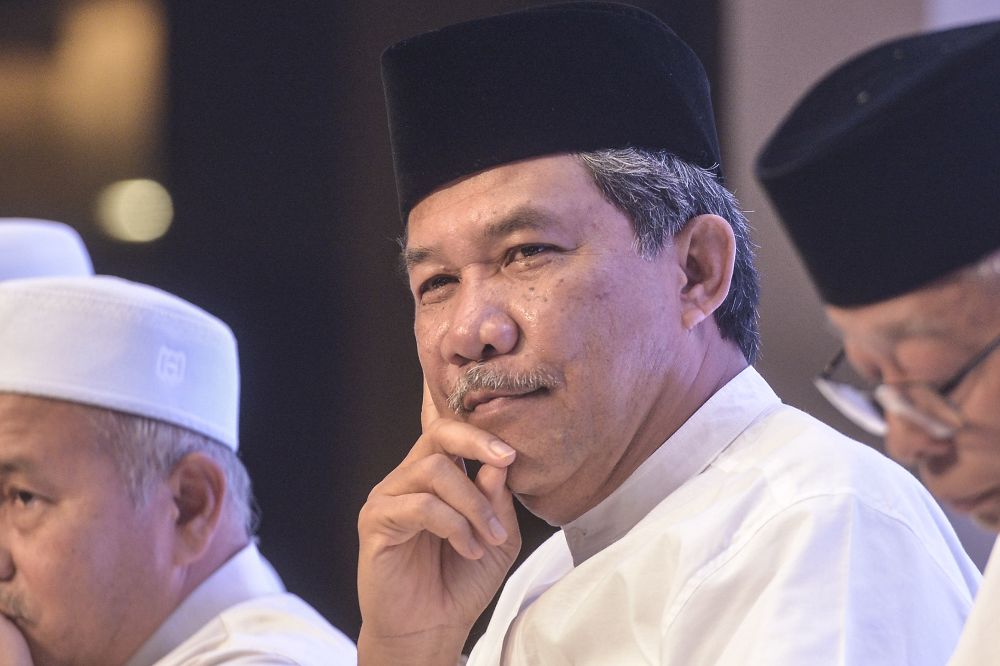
(435, 283)
(22, 497)
(528, 251)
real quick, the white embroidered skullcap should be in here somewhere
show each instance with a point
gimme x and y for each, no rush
(107, 342)
(35, 248)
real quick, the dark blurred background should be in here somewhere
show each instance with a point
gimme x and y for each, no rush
(264, 124)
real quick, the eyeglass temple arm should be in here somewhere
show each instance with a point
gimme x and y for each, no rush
(832, 365)
(950, 385)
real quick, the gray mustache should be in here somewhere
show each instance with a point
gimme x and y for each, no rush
(490, 378)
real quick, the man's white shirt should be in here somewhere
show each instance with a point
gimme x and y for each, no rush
(242, 615)
(754, 535)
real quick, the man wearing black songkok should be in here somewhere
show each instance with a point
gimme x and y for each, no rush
(887, 177)
(585, 316)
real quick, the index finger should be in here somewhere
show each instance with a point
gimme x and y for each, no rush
(459, 440)
(428, 411)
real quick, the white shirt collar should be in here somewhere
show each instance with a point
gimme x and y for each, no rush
(247, 575)
(685, 454)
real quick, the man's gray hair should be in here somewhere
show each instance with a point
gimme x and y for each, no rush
(146, 452)
(660, 193)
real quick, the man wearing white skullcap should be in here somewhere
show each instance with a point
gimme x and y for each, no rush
(125, 519)
(37, 248)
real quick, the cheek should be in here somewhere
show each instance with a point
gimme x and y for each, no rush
(570, 307)
(929, 360)
(530, 305)
(86, 556)
(428, 331)
(609, 339)
(62, 581)
(982, 406)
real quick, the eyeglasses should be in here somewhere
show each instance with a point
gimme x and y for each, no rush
(920, 403)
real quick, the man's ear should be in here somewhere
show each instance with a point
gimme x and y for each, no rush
(198, 487)
(706, 250)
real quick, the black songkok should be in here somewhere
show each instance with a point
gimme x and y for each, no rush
(887, 173)
(560, 78)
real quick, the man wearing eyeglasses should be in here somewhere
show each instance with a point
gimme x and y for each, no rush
(887, 177)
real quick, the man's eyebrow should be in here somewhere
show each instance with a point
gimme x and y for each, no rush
(12, 465)
(519, 219)
(413, 256)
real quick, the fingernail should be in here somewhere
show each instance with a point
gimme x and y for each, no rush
(500, 449)
(497, 530)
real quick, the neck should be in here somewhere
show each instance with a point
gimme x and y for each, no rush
(719, 363)
(227, 541)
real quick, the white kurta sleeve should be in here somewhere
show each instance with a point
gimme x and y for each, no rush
(829, 580)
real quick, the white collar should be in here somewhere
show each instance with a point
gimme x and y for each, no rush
(685, 454)
(247, 575)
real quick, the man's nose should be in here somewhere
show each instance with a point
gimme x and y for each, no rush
(910, 443)
(481, 326)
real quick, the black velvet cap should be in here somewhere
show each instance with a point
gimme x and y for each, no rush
(886, 174)
(557, 78)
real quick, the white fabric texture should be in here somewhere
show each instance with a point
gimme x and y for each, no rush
(980, 642)
(120, 345)
(242, 615)
(770, 539)
(37, 248)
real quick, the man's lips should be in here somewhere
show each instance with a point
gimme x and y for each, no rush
(488, 383)
(474, 399)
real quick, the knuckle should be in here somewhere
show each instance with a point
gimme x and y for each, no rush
(370, 509)
(438, 463)
(374, 493)
(484, 512)
(422, 504)
(363, 519)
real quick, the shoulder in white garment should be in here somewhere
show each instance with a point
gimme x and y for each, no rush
(242, 615)
(794, 546)
(279, 629)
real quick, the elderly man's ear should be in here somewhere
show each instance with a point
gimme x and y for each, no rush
(706, 251)
(198, 488)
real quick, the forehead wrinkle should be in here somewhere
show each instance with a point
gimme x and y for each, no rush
(897, 332)
(911, 328)
(15, 430)
(887, 324)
